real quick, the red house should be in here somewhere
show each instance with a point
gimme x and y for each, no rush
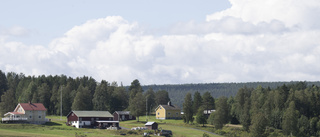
(81, 119)
(123, 116)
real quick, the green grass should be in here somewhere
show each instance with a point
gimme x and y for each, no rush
(55, 128)
(178, 128)
(58, 128)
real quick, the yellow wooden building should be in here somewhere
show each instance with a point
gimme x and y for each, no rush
(168, 112)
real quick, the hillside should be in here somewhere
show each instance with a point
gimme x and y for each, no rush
(178, 91)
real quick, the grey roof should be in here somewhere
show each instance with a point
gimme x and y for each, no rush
(149, 123)
(171, 107)
(92, 113)
(123, 112)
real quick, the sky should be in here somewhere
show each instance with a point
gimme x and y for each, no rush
(163, 42)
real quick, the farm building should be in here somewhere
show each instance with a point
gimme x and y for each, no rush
(89, 119)
(151, 125)
(123, 116)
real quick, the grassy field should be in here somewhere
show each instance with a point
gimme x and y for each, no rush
(57, 128)
(178, 128)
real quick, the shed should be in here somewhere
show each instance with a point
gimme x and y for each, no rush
(151, 125)
(123, 115)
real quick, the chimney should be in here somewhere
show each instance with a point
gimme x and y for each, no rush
(169, 103)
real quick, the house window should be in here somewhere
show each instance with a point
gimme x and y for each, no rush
(158, 113)
(97, 118)
(130, 116)
(169, 113)
(39, 116)
(30, 116)
(160, 107)
(177, 113)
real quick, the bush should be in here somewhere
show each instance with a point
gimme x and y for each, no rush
(132, 132)
(205, 135)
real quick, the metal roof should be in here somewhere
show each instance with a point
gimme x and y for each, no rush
(32, 106)
(92, 113)
(123, 112)
(149, 123)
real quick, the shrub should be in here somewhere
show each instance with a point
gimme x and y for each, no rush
(205, 135)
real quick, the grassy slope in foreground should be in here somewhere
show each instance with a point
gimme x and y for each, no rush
(178, 128)
(57, 128)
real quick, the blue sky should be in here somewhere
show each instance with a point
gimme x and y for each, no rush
(163, 42)
(50, 19)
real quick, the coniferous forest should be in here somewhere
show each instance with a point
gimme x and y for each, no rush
(259, 107)
(293, 109)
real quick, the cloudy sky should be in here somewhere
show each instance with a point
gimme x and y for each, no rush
(163, 41)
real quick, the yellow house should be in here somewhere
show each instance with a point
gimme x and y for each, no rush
(168, 112)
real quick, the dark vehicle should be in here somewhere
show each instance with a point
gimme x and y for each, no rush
(165, 133)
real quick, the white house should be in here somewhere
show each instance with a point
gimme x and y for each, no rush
(34, 113)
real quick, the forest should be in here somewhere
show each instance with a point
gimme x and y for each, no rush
(81, 93)
(292, 109)
(177, 91)
(259, 107)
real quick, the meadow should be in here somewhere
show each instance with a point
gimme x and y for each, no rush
(58, 128)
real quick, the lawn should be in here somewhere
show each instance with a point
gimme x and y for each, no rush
(57, 128)
(178, 128)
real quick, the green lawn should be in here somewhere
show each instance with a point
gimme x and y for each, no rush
(57, 128)
(178, 128)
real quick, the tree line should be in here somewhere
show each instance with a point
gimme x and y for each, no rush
(176, 91)
(293, 109)
(81, 93)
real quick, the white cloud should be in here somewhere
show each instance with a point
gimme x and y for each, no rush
(291, 12)
(254, 40)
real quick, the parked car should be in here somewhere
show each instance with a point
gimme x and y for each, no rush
(165, 133)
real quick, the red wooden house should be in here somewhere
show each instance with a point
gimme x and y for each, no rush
(80, 119)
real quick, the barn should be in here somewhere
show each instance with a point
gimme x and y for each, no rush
(89, 119)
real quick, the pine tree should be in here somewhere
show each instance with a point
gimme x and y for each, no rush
(82, 101)
(208, 101)
(187, 108)
(3, 83)
(137, 105)
(197, 101)
(161, 97)
(120, 97)
(201, 118)
(150, 97)
(258, 125)
(245, 115)
(8, 102)
(101, 97)
(222, 113)
(290, 120)
(134, 88)
(44, 94)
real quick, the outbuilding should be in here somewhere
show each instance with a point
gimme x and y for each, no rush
(123, 116)
(151, 125)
